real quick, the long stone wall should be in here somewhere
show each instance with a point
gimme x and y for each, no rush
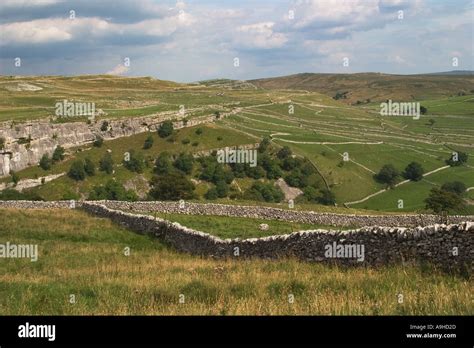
(447, 246)
(269, 213)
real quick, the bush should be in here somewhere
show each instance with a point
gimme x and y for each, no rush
(2, 143)
(264, 192)
(135, 162)
(14, 195)
(264, 144)
(441, 201)
(165, 129)
(45, 162)
(148, 142)
(105, 126)
(106, 164)
(460, 160)
(89, 167)
(58, 154)
(185, 141)
(76, 171)
(163, 164)
(112, 190)
(15, 178)
(199, 131)
(327, 197)
(98, 141)
(173, 187)
(211, 194)
(414, 171)
(184, 162)
(387, 175)
(456, 187)
(222, 189)
(284, 152)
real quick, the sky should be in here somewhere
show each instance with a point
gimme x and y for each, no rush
(193, 40)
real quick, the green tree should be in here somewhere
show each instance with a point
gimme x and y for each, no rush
(171, 187)
(457, 159)
(148, 143)
(134, 162)
(15, 177)
(414, 171)
(105, 126)
(58, 154)
(165, 129)
(106, 164)
(112, 190)
(327, 197)
(443, 202)
(211, 194)
(222, 189)
(264, 144)
(89, 167)
(76, 171)
(99, 141)
(423, 110)
(184, 162)
(163, 164)
(45, 162)
(388, 174)
(456, 187)
(284, 152)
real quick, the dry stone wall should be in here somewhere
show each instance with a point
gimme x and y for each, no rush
(447, 246)
(269, 213)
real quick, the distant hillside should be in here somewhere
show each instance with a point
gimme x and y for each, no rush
(453, 72)
(374, 86)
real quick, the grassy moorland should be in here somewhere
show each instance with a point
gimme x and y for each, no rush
(84, 256)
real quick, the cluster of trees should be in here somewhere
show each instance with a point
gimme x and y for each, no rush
(81, 168)
(447, 199)
(112, 190)
(390, 175)
(47, 162)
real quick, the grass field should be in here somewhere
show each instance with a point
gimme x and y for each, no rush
(295, 111)
(84, 256)
(234, 227)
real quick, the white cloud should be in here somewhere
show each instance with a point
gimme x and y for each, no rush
(260, 35)
(118, 70)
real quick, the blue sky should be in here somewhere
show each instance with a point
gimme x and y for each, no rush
(195, 40)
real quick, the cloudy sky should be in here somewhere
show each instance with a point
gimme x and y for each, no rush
(202, 39)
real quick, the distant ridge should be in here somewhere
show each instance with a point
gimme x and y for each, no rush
(452, 73)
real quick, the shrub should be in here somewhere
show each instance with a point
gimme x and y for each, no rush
(222, 189)
(441, 201)
(106, 164)
(414, 171)
(135, 162)
(112, 190)
(58, 154)
(89, 167)
(98, 141)
(185, 141)
(76, 171)
(456, 187)
(15, 178)
(457, 159)
(199, 131)
(387, 175)
(173, 186)
(105, 126)
(327, 197)
(264, 192)
(211, 194)
(165, 129)
(45, 162)
(184, 162)
(148, 143)
(284, 152)
(163, 164)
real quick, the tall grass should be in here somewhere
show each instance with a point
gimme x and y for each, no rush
(84, 256)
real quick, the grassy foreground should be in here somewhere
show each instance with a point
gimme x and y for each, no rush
(84, 256)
